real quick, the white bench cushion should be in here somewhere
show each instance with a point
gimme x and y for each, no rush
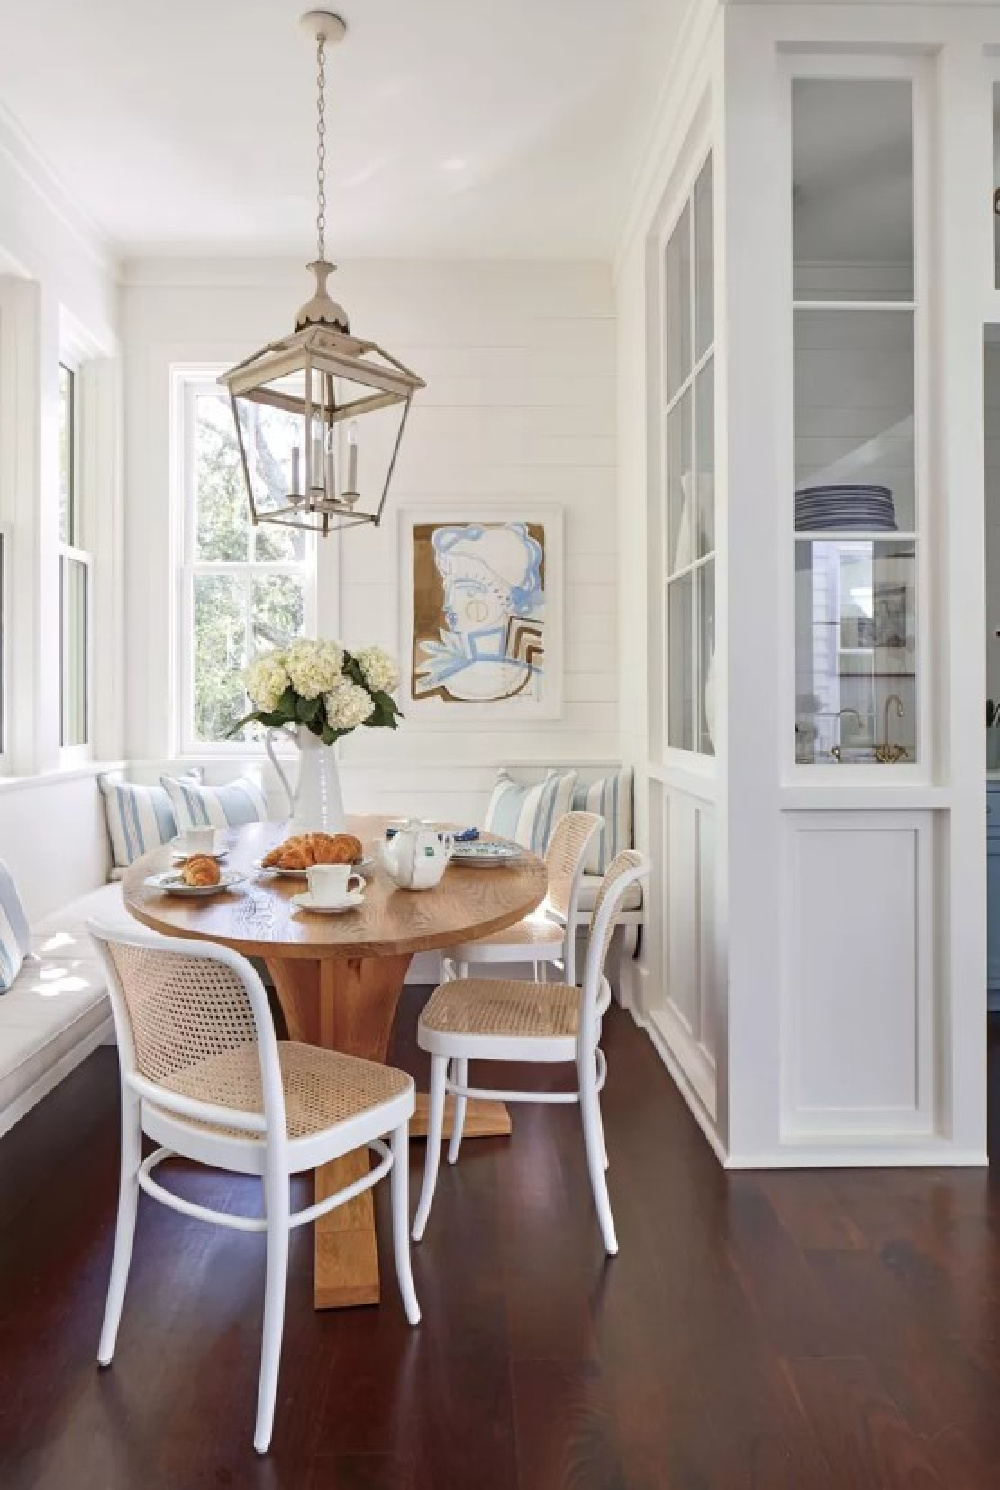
(591, 883)
(58, 999)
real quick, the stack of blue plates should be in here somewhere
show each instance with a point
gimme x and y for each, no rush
(866, 508)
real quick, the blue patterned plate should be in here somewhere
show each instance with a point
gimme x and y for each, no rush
(481, 855)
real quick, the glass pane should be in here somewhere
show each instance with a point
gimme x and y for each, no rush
(67, 461)
(706, 657)
(680, 668)
(854, 420)
(855, 652)
(682, 508)
(704, 441)
(677, 304)
(73, 651)
(852, 189)
(277, 613)
(222, 512)
(704, 289)
(274, 437)
(219, 651)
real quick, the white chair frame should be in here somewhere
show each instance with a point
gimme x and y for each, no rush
(451, 1051)
(167, 1116)
(541, 954)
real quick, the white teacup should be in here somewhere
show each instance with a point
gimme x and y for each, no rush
(199, 840)
(332, 884)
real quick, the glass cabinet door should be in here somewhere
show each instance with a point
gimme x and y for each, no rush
(856, 488)
(689, 465)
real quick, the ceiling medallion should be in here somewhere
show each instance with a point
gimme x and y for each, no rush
(326, 460)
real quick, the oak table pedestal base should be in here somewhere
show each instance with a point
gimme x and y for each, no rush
(349, 1004)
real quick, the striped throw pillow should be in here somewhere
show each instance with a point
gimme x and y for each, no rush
(610, 798)
(14, 935)
(140, 818)
(230, 806)
(527, 812)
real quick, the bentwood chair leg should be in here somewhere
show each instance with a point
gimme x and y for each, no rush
(458, 1119)
(435, 1128)
(128, 1200)
(600, 1122)
(276, 1200)
(593, 1139)
(400, 1192)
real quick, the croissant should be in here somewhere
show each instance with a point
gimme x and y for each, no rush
(336, 848)
(201, 871)
(293, 858)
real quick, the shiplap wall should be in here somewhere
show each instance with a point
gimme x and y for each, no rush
(519, 408)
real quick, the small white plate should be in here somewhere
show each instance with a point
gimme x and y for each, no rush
(173, 884)
(306, 903)
(365, 867)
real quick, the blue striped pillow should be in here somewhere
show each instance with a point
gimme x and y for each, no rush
(527, 812)
(610, 798)
(230, 806)
(14, 935)
(140, 818)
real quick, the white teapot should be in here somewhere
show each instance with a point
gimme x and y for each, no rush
(416, 856)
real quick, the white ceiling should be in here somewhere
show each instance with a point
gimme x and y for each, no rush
(457, 127)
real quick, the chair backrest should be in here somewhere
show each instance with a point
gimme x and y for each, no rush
(623, 872)
(565, 858)
(186, 1014)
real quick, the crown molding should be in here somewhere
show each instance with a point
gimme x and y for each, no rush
(44, 181)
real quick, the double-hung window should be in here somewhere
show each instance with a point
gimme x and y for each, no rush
(74, 579)
(243, 590)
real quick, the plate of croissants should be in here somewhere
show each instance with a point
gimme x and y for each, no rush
(298, 854)
(199, 875)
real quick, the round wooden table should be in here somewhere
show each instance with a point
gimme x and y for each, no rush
(338, 980)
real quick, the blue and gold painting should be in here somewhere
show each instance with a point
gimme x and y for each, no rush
(479, 605)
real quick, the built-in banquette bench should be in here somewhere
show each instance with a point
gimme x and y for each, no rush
(54, 840)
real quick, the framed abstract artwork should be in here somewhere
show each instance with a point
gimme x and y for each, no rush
(481, 609)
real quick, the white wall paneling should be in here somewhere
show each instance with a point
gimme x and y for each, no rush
(859, 985)
(518, 409)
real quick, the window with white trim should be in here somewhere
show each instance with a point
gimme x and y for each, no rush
(75, 564)
(243, 590)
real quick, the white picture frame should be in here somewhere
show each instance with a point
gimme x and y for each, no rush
(543, 699)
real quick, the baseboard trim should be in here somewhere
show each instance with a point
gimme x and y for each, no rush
(905, 1155)
(684, 1086)
(23, 1104)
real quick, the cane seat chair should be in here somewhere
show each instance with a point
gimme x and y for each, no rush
(204, 1077)
(502, 1019)
(548, 936)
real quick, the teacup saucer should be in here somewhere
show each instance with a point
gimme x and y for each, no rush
(305, 902)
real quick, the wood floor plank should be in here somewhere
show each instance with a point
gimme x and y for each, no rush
(860, 1427)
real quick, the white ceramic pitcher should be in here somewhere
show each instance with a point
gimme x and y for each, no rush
(316, 805)
(416, 856)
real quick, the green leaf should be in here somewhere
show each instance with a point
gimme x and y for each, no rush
(329, 736)
(307, 710)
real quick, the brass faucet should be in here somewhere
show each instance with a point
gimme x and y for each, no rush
(888, 754)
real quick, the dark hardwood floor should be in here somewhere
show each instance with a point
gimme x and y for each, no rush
(810, 1331)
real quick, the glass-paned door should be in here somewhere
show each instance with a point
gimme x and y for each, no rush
(689, 471)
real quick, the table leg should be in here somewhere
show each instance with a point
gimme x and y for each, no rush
(346, 1004)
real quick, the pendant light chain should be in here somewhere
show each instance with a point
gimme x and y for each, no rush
(321, 146)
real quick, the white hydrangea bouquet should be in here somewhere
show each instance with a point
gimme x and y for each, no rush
(323, 687)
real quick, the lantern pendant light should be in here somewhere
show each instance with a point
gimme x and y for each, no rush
(328, 463)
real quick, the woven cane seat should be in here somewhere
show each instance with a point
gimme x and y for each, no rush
(503, 1007)
(322, 1087)
(533, 931)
